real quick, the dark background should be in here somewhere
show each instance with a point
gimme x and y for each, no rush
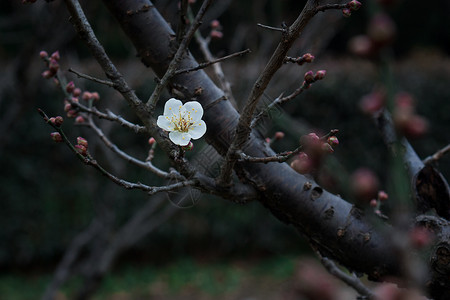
(47, 195)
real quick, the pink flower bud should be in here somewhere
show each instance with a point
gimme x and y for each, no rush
(47, 74)
(55, 55)
(361, 45)
(279, 135)
(81, 149)
(373, 203)
(56, 136)
(58, 121)
(415, 127)
(309, 138)
(308, 57)
(95, 96)
(333, 141)
(188, 147)
(372, 102)
(75, 100)
(309, 77)
(79, 120)
(151, 141)
(72, 113)
(70, 87)
(216, 35)
(364, 184)
(86, 96)
(67, 107)
(346, 12)
(268, 140)
(43, 54)
(354, 5)
(82, 141)
(382, 196)
(215, 24)
(302, 163)
(53, 65)
(76, 92)
(320, 74)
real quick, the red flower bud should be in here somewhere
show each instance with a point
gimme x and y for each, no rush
(382, 196)
(79, 120)
(43, 54)
(70, 87)
(364, 184)
(67, 107)
(320, 74)
(86, 96)
(309, 77)
(151, 141)
(55, 55)
(47, 74)
(188, 147)
(333, 141)
(56, 136)
(279, 135)
(216, 35)
(81, 149)
(58, 121)
(76, 92)
(53, 65)
(82, 141)
(72, 113)
(302, 163)
(354, 5)
(347, 12)
(215, 24)
(308, 57)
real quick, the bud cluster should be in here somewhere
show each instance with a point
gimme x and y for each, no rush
(350, 7)
(314, 150)
(310, 77)
(216, 30)
(52, 62)
(82, 146)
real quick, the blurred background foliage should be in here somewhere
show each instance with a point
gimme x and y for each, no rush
(47, 195)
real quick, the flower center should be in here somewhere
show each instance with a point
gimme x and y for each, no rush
(182, 123)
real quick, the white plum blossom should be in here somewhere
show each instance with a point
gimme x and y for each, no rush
(183, 122)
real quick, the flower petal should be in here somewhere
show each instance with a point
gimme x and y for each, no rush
(172, 106)
(194, 109)
(197, 130)
(165, 123)
(180, 138)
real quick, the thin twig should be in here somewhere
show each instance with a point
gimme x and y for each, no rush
(351, 281)
(272, 28)
(207, 64)
(218, 72)
(151, 103)
(280, 157)
(81, 75)
(437, 156)
(331, 6)
(143, 164)
(90, 161)
(243, 128)
(85, 32)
